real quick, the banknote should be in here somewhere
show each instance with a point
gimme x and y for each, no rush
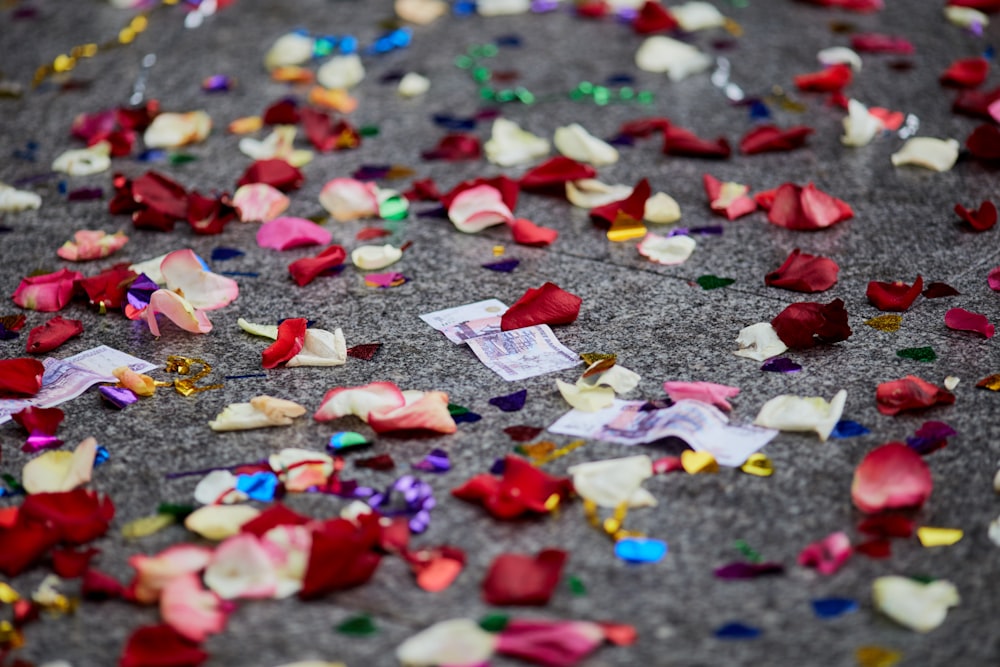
(523, 353)
(702, 426)
(480, 315)
(65, 379)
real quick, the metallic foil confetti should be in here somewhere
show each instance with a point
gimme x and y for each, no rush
(503, 266)
(591, 358)
(221, 253)
(510, 402)
(576, 585)
(364, 351)
(494, 622)
(698, 462)
(182, 366)
(887, 323)
(848, 429)
(119, 397)
(522, 433)
(781, 365)
(939, 537)
(345, 440)
(917, 353)
(876, 656)
(436, 461)
(833, 607)
(991, 382)
(407, 496)
(740, 570)
(737, 630)
(640, 550)
(758, 465)
(708, 282)
(626, 228)
(747, 551)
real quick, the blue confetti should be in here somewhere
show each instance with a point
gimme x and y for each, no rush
(345, 439)
(449, 122)
(152, 155)
(463, 8)
(510, 402)
(640, 550)
(989, 53)
(620, 79)
(221, 254)
(258, 486)
(349, 45)
(101, 456)
(7, 334)
(737, 631)
(498, 467)
(508, 40)
(833, 607)
(466, 417)
(848, 429)
(759, 110)
(245, 274)
(503, 265)
(246, 377)
(63, 187)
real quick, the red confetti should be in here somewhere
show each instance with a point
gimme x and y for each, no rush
(553, 174)
(276, 173)
(684, 143)
(984, 142)
(653, 17)
(305, 270)
(516, 579)
(342, 555)
(523, 489)
(454, 147)
(802, 208)
(894, 297)
(52, 334)
(910, 393)
(833, 79)
(525, 232)
(804, 273)
(960, 319)
(966, 73)
(873, 42)
(364, 351)
(522, 433)
(380, 462)
(891, 476)
(770, 138)
(291, 338)
(160, 646)
(20, 378)
(803, 325)
(634, 206)
(548, 304)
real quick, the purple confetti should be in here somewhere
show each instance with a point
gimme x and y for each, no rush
(371, 172)
(510, 402)
(436, 461)
(503, 265)
(436, 212)
(930, 437)
(498, 467)
(454, 123)
(120, 397)
(741, 570)
(408, 496)
(217, 83)
(466, 417)
(544, 6)
(38, 442)
(7, 334)
(35, 178)
(781, 365)
(622, 140)
(85, 194)
(140, 290)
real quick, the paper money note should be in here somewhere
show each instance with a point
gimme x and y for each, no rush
(703, 427)
(468, 321)
(523, 353)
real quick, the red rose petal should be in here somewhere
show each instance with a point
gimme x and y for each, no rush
(435, 568)
(423, 190)
(272, 517)
(282, 112)
(20, 378)
(738, 207)
(891, 476)
(984, 142)
(985, 217)
(860, 6)
(548, 304)
(894, 297)
(97, 585)
(804, 273)
(276, 173)
(210, 215)
(52, 334)
(341, 555)
(802, 208)
(522, 489)
(874, 42)
(804, 325)
(910, 393)
(770, 138)
(887, 525)
(454, 147)
(960, 319)
(830, 80)
(634, 206)
(109, 287)
(644, 127)
(939, 290)
(525, 232)
(684, 143)
(47, 293)
(291, 338)
(975, 103)
(76, 517)
(70, 564)
(161, 195)
(985, 6)
(39, 420)
(24, 544)
(517, 579)
(326, 134)
(305, 270)
(552, 175)
(160, 646)
(966, 73)
(877, 548)
(653, 17)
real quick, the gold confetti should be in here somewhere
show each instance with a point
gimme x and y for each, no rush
(337, 100)
(292, 74)
(626, 228)
(733, 28)
(599, 367)
(758, 465)
(698, 462)
(591, 358)
(887, 323)
(991, 382)
(146, 526)
(930, 536)
(876, 656)
(10, 637)
(182, 366)
(498, 250)
(7, 594)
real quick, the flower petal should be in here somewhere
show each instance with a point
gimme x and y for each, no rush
(551, 643)
(827, 555)
(611, 482)
(706, 392)
(359, 401)
(800, 413)
(20, 378)
(804, 273)
(259, 202)
(894, 297)
(553, 173)
(90, 244)
(374, 257)
(860, 125)
(477, 208)
(509, 145)
(663, 55)
(47, 293)
(804, 325)
(770, 138)
(909, 393)
(980, 220)
(668, 250)
(218, 522)
(960, 319)
(184, 272)
(548, 304)
(173, 130)
(574, 142)
(52, 334)
(927, 152)
(525, 232)
(305, 270)
(456, 642)
(241, 568)
(966, 73)
(286, 233)
(191, 610)
(919, 606)
(178, 310)
(153, 573)
(160, 645)
(728, 199)
(428, 411)
(759, 342)
(348, 199)
(516, 579)
(891, 476)
(54, 472)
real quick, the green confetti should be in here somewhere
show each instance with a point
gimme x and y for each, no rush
(13, 484)
(455, 410)
(576, 585)
(923, 578)
(181, 158)
(368, 131)
(747, 551)
(714, 282)
(394, 208)
(358, 626)
(179, 512)
(917, 353)
(494, 622)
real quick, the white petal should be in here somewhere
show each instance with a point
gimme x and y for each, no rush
(259, 202)
(151, 268)
(803, 413)
(590, 193)
(348, 199)
(264, 330)
(290, 49)
(341, 72)
(12, 199)
(509, 145)
(840, 55)
(374, 257)
(502, 7)
(477, 208)
(586, 398)
(694, 16)
(661, 209)
(994, 531)
(277, 145)
(934, 154)
(321, 348)
(217, 522)
(611, 482)
(421, 12)
(666, 249)
(413, 85)
(172, 130)
(676, 59)
(619, 378)
(860, 126)
(965, 17)
(57, 471)
(996, 482)
(759, 341)
(84, 161)
(260, 412)
(218, 486)
(576, 143)
(456, 642)
(951, 382)
(918, 606)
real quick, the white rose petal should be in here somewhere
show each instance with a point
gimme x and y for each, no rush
(290, 49)
(259, 202)
(966, 17)
(918, 606)
(13, 200)
(586, 398)
(173, 130)
(576, 143)
(927, 152)
(421, 12)
(502, 7)
(477, 208)
(349, 199)
(951, 382)
(374, 257)
(619, 378)
(217, 522)
(860, 126)
(57, 471)
(668, 250)
(590, 193)
(994, 531)
(840, 55)
(803, 413)
(341, 72)
(413, 85)
(663, 55)
(662, 209)
(321, 348)
(612, 482)
(84, 161)
(260, 412)
(509, 145)
(692, 16)
(279, 144)
(218, 486)
(759, 342)
(456, 642)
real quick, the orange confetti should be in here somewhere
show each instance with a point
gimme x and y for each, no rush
(337, 99)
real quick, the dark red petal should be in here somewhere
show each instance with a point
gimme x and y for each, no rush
(525, 232)
(523, 488)
(516, 579)
(109, 287)
(894, 297)
(341, 556)
(875, 548)
(887, 525)
(424, 189)
(684, 143)
(147, 218)
(940, 290)
(20, 378)
(160, 646)
(508, 188)
(653, 17)
(291, 338)
(770, 138)
(644, 127)
(860, 6)
(984, 142)
(803, 208)
(874, 42)
(52, 334)
(70, 564)
(328, 135)
(975, 103)
(634, 206)
(981, 219)
(453, 147)
(210, 215)
(909, 393)
(804, 273)
(306, 269)
(553, 174)
(39, 420)
(272, 517)
(282, 112)
(138, 118)
(985, 6)
(803, 325)
(23, 545)
(830, 80)
(548, 304)
(76, 517)
(97, 585)
(276, 173)
(966, 73)
(160, 194)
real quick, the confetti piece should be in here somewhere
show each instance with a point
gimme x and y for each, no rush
(917, 353)
(846, 428)
(781, 365)
(502, 266)
(626, 228)
(640, 550)
(222, 253)
(698, 462)
(494, 622)
(938, 537)
(833, 607)
(381, 462)
(510, 402)
(576, 585)
(364, 351)
(737, 631)
(358, 626)
(991, 382)
(436, 461)
(758, 465)
(876, 656)
(146, 526)
(708, 282)
(347, 439)
(522, 433)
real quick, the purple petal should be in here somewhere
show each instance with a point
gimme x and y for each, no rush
(741, 570)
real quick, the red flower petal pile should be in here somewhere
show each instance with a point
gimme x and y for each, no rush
(804, 273)
(802, 208)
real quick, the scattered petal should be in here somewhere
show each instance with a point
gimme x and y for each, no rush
(574, 142)
(827, 555)
(891, 476)
(663, 55)
(804, 273)
(287, 233)
(934, 154)
(960, 319)
(896, 296)
(918, 606)
(509, 145)
(759, 342)
(668, 250)
(798, 413)
(910, 393)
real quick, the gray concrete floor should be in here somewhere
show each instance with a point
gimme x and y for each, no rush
(657, 320)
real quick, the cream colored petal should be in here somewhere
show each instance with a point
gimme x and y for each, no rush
(576, 143)
(510, 145)
(84, 161)
(151, 269)
(260, 412)
(619, 378)
(951, 382)
(662, 209)
(217, 522)
(611, 482)
(421, 12)
(13, 200)
(57, 471)
(459, 641)
(659, 54)
(218, 486)
(918, 606)
(341, 72)
(840, 55)
(502, 7)
(173, 130)
(667, 250)
(264, 330)
(694, 16)
(759, 342)
(288, 50)
(803, 413)
(321, 348)
(259, 202)
(587, 399)
(413, 85)
(965, 17)
(927, 152)
(860, 126)
(373, 257)
(590, 193)
(994, 531)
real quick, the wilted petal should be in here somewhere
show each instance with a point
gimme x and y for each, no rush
(53, 472)
(667, 250)
(591, 193)
(347, 199)
(321, 348)
(509, 145)
(611, 482)
(84, 161)
(191, 610)
(728, 199)
(891, 476)
(919, 606)
(184, 273)
(359, 401)
(422, 411)
(259, 202)
(800, 413)
(260, 412)
(241, 568)
(173, 130)
(586, 398)
(574, 142)
(895, 296)
(909, 393)
(457, 642)
(659, 54)
(47, 293)
(286, 233)
(934, 154)
(804, 273)
(178, 310)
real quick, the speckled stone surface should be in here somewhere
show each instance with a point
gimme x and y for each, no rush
(657, 319)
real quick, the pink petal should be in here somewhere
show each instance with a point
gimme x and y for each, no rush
(259, 202)
(963, 320)
(153, 573)
(706, 392)
(359, 401)
(178, 310)
(551, 643)
(827, 555)
(427, 413)
(286, 233)
(477, 208)
(91, 244)
(46, 293)
(347, 199)
(203, 289)
(241, 568)
(191, 610)
(892, 476)
(993, 278)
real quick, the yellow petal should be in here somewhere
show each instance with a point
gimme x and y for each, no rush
(698, 462)
(938, 537)
(147, 525)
